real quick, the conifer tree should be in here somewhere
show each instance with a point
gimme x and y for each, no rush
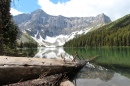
(8, 30)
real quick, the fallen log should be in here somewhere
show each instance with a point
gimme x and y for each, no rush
(15, 69)
(44, 81)
(52, 80)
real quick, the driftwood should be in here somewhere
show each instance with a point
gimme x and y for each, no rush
(15, 69)
(91, 58)
(52, 80)
(19, 69)
(76, 55)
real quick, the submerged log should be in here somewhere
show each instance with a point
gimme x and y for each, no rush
(92, 58)
(15, 69)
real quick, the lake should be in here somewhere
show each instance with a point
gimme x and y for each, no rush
(111, 68)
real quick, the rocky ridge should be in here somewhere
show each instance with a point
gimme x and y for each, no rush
(39, 24)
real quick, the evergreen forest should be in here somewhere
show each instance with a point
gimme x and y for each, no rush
(116, 33)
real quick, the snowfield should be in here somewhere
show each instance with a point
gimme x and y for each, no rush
(57, 40)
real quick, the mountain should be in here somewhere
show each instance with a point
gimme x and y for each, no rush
(116, 33)
(58, 40)
(39, 24)
(25, 40)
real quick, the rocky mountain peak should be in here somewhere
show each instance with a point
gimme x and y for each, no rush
(39, 12)
(38, 15)
(43, 24)
(104, 18)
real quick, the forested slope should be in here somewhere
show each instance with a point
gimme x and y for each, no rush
(116, 33)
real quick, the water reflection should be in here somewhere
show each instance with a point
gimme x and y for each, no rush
(93, 75)
(52, 53)
(27, 52)
(116, 52)
(91, 71)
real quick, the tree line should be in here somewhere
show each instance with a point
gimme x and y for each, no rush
(116, 33)
(28, 45)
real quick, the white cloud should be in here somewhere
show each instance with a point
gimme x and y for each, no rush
(84, 8)
(15, 12)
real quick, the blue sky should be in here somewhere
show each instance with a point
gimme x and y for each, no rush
(25, 5)
(74, 8)
(30, 5)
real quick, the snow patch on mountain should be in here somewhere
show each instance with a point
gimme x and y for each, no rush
(53, 39)
(57, 40)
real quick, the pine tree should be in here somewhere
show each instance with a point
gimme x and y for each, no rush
(8, 30)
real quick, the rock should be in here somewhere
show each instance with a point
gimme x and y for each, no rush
(66, 83)
(48, 25)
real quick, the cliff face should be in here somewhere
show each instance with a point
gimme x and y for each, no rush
(41, 26)
(39, 21)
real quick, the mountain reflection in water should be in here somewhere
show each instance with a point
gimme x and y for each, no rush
(94, 75)
(52, 53)
(90, 75)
